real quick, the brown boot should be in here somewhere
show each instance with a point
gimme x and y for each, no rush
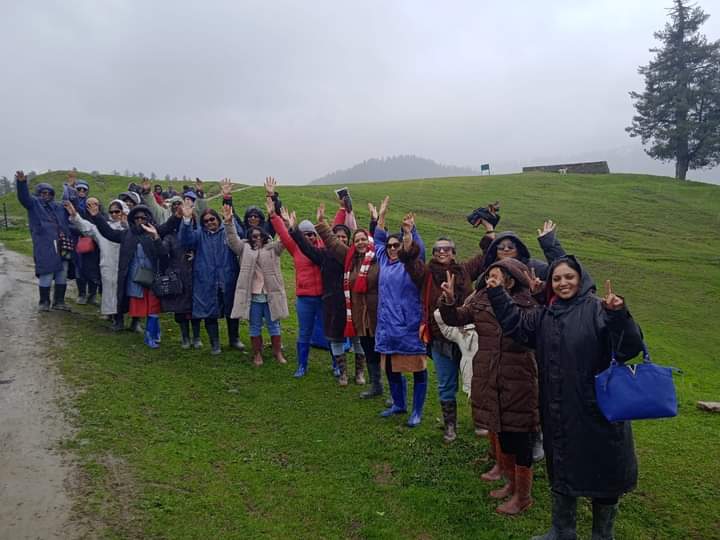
(494, 474)
(257, 345)
(342, 367)
(359, 368)
(449, 412)
(521, 499)
(507, 465)
(276, 342)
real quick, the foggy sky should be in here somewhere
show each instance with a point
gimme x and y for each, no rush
(299, 89)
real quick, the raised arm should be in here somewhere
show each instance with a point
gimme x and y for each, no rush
(103, 228)
(313, 253)
(235, 243)
(521, 325)
(625, 334)
(279, 226)
(547, 238)
(187, 235)
(22, 190)
(335, 247)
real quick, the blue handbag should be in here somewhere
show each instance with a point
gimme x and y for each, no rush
(636, 391)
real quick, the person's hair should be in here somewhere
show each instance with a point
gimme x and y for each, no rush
(343, 228)
(212, 212)
(116, 205)
(445, 239)
(265, 237)
(570, 261)
(157, 186)
(396, 236)
(186, 189)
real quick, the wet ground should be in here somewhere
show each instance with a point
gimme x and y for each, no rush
(36, 479)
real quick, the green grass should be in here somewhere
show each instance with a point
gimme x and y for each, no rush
(177, 444)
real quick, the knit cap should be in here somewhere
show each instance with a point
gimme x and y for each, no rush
(306, 226)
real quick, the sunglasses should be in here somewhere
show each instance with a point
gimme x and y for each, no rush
(394, 245)
(505, 247)
(81, 189)
(116, 211)
(209, 220)
(254, 216)
(140, 218)
(443, 249)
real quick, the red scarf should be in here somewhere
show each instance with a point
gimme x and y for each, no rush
(360, 285)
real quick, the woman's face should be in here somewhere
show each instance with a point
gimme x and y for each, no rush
(115, 213)
(506, 249)
(311, 237)
(499, 275)
(140, 219)
(256, 238)
(393, 246)
(340, 235)
(210, 222)
(565, 281)
(253, 220)
(361, 242)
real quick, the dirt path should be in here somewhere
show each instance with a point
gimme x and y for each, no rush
(35, 479)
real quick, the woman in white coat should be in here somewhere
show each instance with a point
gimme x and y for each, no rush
(109, 254)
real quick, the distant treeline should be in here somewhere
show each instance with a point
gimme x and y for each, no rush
(394, 168)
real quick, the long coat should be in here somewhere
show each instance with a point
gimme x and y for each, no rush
(363, 305)
(46, 220)
(399, 307)
(333, 297)
(215, 268)
(109, 259)
(180, 261)
(504, 385)
(587, 456)
(267, 259)
(129, 239)
(549, 244)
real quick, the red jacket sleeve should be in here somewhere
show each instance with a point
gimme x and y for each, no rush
(279, 226)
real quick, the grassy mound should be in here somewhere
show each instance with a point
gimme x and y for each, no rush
(178, 444)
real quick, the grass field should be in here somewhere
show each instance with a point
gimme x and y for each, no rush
(179, 444)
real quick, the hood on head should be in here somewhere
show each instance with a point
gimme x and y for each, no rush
(130, 195)
(523, 251)
(306, 226)
(124, 207)
(141, 208)
(587, 285)
(253, 210)
(82, 184)
(43, 186)
(514, 267)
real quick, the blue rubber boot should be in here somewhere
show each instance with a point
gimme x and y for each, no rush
(398, 391)
(419, 394)
(152, 326)
(303, 351)
(335, 367)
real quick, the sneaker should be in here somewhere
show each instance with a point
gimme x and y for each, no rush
(237, 344)
(196, 343)
(185, 343)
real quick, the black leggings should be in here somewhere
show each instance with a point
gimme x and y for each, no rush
(368, 345)
(519, 444)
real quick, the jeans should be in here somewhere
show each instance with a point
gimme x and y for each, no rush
(308, 309)
(60, 277)
(447, 369)
(338, 347)
(258, 312)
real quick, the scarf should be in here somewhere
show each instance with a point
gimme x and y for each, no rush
(360, 285)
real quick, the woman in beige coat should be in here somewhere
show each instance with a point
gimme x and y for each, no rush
(260, 291)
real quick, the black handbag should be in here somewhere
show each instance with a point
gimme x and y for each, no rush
(144, 277)
(168, 284)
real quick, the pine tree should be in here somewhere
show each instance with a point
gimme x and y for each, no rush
(678, 114)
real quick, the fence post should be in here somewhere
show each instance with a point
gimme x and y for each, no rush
(5, 215)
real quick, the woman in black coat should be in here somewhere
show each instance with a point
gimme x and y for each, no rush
(574, 335)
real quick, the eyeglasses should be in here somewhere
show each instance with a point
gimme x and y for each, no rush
(506, 247)
(394, 245)
(209, 220)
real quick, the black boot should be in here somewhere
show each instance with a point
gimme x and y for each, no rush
(233, 326)
(118, 322)
(376, 387)
(44, 304)
(136, 326)
(603, 521)
(564, 511)
(185, 334)
(213, 331)
(92, 293)
(59, 300)
(449, 412)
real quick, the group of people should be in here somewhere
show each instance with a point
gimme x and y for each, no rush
(532, 333)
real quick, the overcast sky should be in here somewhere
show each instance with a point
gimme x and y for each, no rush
(298, 89)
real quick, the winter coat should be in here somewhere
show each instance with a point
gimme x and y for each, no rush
(333, 297)
(129, 239)
(432, 274)
(399, 307)
(364, 305)
(180, 261)
(109, 260)
(548, 243)
(587, 456)
(215, 271)
(505, 378)
(46, 220)
(265, 225)
(267, 259)
(308, 280)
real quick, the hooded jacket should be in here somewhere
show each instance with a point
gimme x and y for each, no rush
(264, 224)
(587, 456)
(504, 385)
(46, 221)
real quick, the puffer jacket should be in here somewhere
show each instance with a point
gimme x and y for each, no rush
(308, 279)
(586, 455)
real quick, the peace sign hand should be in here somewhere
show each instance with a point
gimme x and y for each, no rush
(448, 288)
(535, 284)
(611, 301)
(548, 227)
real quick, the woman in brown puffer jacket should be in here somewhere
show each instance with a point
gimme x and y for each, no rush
(505, 381)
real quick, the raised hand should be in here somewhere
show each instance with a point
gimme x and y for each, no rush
(187, 209)
(320, 214)
(384, 206)
(70, 209)
(547, 228)
(611, 301)
(151, 230)
(373, 211)
(270, 185)
(534, 283)
(270, 207)
(448, 288)
(20, 176)
(292, 219)
(198, 184)
(72, 179)
(408, 222)
(92, 206)
(146, 185)
(227, 213)
(226, 187)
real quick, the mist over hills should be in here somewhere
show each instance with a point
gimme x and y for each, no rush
(394, 168)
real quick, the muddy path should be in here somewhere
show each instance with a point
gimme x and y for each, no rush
(35, 478)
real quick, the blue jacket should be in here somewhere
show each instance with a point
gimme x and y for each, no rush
(215, 271)
(399, 307)
(46, 220)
